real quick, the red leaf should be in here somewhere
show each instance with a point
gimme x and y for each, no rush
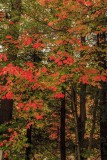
(60, 63)
(88, 3)
(37, 45)
(29, 124)
(50, 24)
(5, 57)
(28, 41)
(59, 41)
(84, 79)
(9, 95)
(39, 117)
(9, 37)
(59, 95)
(44, 69)
(52, 57)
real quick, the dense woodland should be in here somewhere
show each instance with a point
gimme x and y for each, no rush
(53, 79)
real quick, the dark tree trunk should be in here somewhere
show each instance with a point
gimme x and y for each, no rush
(82, 117)
(93, 121)
(74, 110)
(6, 111)
(101, 42)
(62, 129)
(29, 141)
(103, 122)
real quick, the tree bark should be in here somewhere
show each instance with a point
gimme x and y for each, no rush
(62, 128)
(29, 141)
(74, 109)
(101, 42)
(103, 122)
(93, 123)
(6, 111)
(82, 117)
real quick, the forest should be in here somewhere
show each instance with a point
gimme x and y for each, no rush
(53, 80)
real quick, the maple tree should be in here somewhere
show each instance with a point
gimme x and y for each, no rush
(60, 69)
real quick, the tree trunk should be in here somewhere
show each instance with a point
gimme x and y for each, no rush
(101, 42)
(103, 122)
(93, 123)
(62, 129)
(29, 141)
(82, 117)
(6, 111)
(74, 109)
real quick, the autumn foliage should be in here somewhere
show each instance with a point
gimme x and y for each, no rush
(65, 35)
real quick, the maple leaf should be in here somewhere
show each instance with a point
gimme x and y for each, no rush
(70, 59)
(88, 3)
(60, 41)
(53, 88)
(57, 60)
(27, 75)
(99, 78)
(50, 24)
(52, 57)
(30, 64)
(9, 95)
(59, 95)
(103, 78)
(42, 2)
(28, 41)
(65, 62)
(1, 56)
(84, 79)
(44, 69)
(5, 57)
(1, 144)
(60, 63)
(29, 124)
(5, 155)
(37, 45)
(53, 136)
(38, 117)
(20, 105)
(9, 37)
(26, 108)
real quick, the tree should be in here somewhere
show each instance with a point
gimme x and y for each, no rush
(68, 79)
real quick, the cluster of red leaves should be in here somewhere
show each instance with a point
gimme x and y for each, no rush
(62, 59)
(37, 45)
(59, 95)
(36, 104)
(85, 2)
(92, 77)
(8, 95)
(27, 41)
(3, 57)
